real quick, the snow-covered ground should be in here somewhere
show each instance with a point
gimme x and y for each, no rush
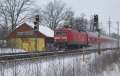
(106, 64)
(10, 50)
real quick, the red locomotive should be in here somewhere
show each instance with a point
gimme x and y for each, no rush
(69, 38)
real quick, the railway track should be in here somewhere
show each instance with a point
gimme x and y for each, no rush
(26, 55)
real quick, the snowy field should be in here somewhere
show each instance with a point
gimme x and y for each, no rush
(10, 50)
(106, 64)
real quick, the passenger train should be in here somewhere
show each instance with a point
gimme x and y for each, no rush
(70, 39)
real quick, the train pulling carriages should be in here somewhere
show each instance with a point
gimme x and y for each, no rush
(68, 38)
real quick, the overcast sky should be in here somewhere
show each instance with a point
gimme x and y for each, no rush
(104, 8)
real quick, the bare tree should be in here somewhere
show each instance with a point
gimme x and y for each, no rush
(69, 18)
(13, 12)
(35, 11)
(80, 24)
(54, 13)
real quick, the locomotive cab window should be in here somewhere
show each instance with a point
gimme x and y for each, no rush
(60, 33)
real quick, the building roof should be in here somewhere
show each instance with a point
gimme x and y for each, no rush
(25, 30)
(46, 31)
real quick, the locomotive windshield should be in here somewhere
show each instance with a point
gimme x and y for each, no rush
(60, 33)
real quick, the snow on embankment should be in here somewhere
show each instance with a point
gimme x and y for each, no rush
(10, 50)
(106, 64)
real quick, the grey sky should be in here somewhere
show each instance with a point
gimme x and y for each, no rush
(104, 8)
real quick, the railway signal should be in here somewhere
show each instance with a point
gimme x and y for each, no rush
(36, 23)
(95, 24)
(97, 29)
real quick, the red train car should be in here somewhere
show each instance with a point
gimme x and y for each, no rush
(69, 38)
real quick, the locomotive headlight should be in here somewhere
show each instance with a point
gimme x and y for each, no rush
(57, 38)
(64, 38)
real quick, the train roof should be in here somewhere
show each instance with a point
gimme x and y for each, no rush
(92, 34)
(63, 28)
(107, 37)
(95, 34)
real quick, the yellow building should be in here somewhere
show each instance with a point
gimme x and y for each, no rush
(24, 37)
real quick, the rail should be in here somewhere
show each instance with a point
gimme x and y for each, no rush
(26, 55)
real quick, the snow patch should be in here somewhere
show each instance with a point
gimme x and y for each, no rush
(46, 31)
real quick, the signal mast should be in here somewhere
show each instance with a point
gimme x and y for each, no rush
(36, 28)
(97, 29)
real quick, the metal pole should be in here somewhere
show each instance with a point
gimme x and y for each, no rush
(35, 43)
(109, 23)
(36, 29)
(99, 42)
(118, 33)
(83, 55)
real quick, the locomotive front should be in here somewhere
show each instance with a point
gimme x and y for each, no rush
(60, 38)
